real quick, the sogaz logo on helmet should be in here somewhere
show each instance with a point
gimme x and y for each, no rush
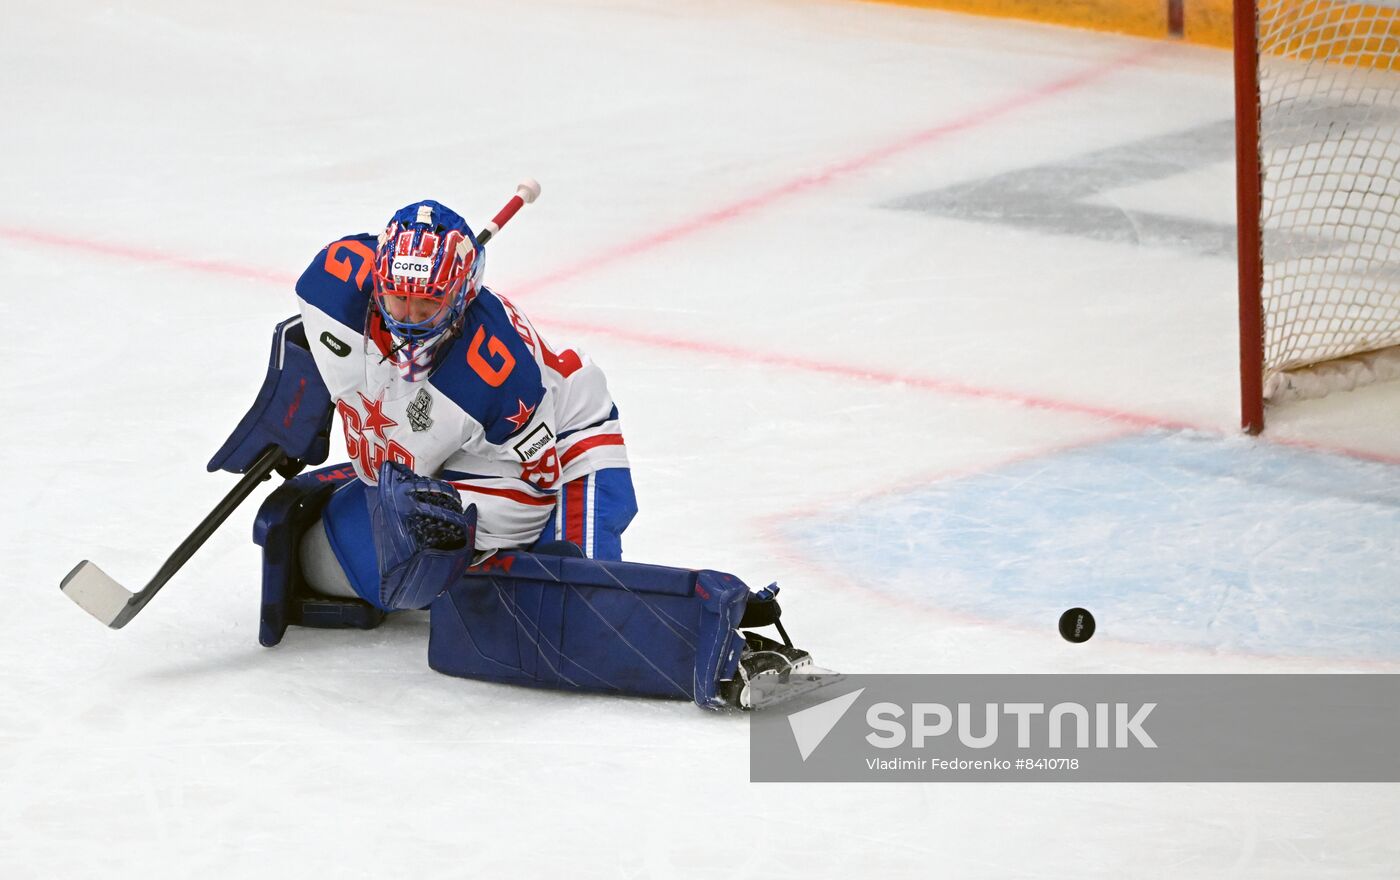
(407, 266)
(337, 347)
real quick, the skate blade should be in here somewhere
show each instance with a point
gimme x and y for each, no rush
(767, 691)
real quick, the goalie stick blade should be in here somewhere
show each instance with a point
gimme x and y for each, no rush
(99, 595)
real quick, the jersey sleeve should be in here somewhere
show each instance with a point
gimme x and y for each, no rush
(514, 484)
(509, 469)
(492, 375)
(514, 494)
(333, 295)
(339, 280)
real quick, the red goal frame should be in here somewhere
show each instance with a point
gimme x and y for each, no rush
(1248, 197)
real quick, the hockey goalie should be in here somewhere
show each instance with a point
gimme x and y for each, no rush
(488, 483)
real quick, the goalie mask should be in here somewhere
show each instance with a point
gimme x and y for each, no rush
(427, 270)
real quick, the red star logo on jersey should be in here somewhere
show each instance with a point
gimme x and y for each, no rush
(520, 418)
(376, 421)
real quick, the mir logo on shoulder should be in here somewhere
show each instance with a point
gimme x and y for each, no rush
(337, 347)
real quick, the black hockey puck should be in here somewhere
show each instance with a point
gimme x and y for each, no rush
(1077, 625)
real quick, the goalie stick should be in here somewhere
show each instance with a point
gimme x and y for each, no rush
(526, 192)
(99, 594)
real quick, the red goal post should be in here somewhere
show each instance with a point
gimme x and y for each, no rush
(1317, 100)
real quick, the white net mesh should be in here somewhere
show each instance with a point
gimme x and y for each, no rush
(1329, 138)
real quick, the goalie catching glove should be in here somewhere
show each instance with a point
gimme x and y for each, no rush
(422, 536)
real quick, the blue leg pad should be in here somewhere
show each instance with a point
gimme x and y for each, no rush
(283, 518)
(583, 624)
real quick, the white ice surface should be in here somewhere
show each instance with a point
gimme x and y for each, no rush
(170, 167)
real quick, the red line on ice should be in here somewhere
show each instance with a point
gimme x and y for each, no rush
(832, 173)
(145, 255)
(868, 374)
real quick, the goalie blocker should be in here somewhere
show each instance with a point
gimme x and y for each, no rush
(546, 618)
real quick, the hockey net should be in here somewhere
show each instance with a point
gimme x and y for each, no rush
(1320, 185)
